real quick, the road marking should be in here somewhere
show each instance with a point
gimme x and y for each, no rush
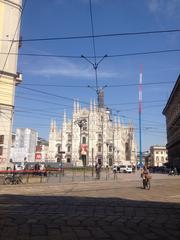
(175, 196)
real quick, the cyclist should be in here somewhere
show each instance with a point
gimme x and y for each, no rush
(145, 176)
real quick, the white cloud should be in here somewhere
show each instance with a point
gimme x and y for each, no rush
(169, 8)
(67, 68)
(153, 5)
(80, 1)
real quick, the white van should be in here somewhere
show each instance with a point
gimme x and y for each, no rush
(129, 169)
(122, 168)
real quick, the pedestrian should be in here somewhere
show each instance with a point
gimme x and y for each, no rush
(98, 169)
(115, 172)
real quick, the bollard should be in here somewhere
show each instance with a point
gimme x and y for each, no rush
(47, 177)
(59, 175)
(27, 179)
(40, 177)
(72, 174)
(84, 173)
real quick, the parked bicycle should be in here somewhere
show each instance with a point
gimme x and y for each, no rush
(13, 179)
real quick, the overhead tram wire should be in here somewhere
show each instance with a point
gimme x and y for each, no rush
(94, 63)
(51, 94)
(97, 36)
(85, 86)
(97, 57)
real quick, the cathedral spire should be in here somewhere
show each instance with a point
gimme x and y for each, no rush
(52, 126)
(78, 106)
(94, 105)
(115, 122)
(55, 127)
(91, 108)
(64, 116)
(74, 106)
(64, 120)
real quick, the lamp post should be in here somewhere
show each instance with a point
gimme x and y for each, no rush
(107, 144)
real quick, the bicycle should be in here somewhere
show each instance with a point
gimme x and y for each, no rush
(13, 179)
(146, 183)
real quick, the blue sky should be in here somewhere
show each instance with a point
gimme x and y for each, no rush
(64, 18)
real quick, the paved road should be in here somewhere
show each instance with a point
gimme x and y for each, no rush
(93, 210)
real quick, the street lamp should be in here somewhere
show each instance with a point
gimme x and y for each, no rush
(107, 144)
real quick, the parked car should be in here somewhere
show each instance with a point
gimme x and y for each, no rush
(122, 168)
(129, 169)
(19, 167)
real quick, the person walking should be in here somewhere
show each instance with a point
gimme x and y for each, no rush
(98, 170)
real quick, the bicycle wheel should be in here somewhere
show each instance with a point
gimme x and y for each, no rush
(7, 180)
(18, 180)
(148, 186)
(144, 183)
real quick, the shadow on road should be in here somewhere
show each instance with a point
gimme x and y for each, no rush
(62, 217)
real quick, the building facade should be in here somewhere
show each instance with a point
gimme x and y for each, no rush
(92, 136)
(24, 145)
(172, 114)
(41, 154)
(158, 156)
(10, 12)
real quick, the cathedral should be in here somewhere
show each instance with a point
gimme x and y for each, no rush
(92, 136)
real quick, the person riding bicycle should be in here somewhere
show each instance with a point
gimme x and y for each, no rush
(144, 172)
(145, 176)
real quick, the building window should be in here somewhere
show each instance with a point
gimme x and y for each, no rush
(69, 148)
(157, 158)
(162, 159)
(161, 152)
(68, 160)
(110, 148)
(84, 128)
(99, 148)
(84, 140)
(1, 139)
(157, 152)
(59, 148)
(99, 137)
(1, 150)
(69, 137)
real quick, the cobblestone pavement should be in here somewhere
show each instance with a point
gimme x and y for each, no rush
(92, 210)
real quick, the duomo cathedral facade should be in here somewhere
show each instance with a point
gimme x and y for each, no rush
(92, 136)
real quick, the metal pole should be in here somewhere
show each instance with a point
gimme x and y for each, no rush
(140, 141)
(92, 162)
(113, 147)
(140, 111)
(102, 119)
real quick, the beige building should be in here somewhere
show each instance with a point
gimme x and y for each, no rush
(158, 156)
(10, 12)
